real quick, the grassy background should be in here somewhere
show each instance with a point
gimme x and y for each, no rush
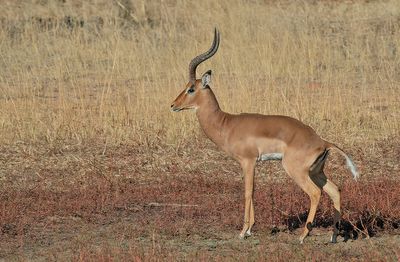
(77, 71)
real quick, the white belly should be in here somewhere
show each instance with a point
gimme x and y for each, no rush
(270, 156)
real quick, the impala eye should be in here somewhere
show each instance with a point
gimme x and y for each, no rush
(190, 91)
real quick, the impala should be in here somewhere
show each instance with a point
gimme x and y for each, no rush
(249, 138)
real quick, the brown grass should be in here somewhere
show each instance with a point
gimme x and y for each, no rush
(208, 204)
(123, 202)
(87, 141)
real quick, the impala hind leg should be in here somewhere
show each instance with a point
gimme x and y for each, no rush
(332, 190)
(314, 193)
(317, 175)
(302, 177)
(248, 173)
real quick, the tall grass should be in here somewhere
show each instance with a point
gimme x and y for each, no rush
(82, 71)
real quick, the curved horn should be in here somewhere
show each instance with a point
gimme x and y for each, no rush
(203, 57)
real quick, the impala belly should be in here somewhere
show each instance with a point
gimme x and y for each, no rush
(270, 156)
(270, 149)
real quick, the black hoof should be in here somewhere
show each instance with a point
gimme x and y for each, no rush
(334, 239)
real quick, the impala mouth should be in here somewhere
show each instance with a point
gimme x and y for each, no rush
(176, 109)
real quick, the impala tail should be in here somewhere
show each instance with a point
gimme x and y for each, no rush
(349, 162)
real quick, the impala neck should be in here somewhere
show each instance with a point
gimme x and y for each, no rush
(211, 118)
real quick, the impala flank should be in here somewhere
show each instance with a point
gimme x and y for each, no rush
(249, 138)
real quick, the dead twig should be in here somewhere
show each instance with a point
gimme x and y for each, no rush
(154, 204)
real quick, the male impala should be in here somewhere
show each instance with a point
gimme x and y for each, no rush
(252, 137)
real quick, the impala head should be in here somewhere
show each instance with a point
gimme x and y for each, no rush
(190, 97)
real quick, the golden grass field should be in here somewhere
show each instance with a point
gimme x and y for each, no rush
(88, 141)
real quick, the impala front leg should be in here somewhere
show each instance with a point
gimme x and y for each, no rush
(251, 220)
(248, 173)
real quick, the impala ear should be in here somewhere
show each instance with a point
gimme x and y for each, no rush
(206, 78)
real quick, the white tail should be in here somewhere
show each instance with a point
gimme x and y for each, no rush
(349, 162)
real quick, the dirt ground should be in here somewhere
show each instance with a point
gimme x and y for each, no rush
(119, 239)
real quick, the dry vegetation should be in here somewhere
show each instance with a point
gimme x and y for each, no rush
(89, 149)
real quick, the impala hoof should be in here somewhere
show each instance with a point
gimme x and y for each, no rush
(334, 238)
(245, 234)
(248, 233)
(302, 239)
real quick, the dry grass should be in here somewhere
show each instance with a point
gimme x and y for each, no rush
(75, 71)
(87, 140)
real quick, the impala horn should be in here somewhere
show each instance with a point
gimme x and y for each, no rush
(203, 57)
